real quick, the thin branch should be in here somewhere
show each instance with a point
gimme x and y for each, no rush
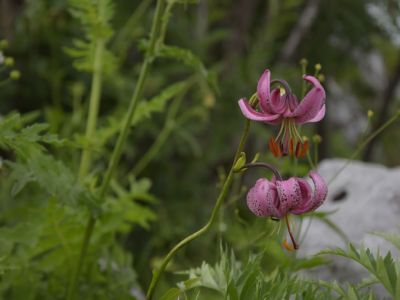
(387, 98)
(300, 30)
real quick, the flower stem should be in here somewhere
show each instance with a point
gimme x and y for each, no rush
(264, 165)
(120, 142)
(209, 224)
(295, 246)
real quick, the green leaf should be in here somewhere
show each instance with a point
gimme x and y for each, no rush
(191, 60)
(53, 177)
(383, 268)
(390, 237)
(157, 104)
(171, 294)
(95, 17)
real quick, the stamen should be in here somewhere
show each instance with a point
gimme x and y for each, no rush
(299, 149)
(295, 246)
(287, 246)
(305, 148)
(302, 149)
(274, 148)
(291, 147)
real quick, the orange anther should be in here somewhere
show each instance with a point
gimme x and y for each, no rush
(291, 147)
(288, 246)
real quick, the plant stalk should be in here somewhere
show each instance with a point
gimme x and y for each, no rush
(121, 141)
(221, 197)
(86, 158)
(94, 103)
(365, 143)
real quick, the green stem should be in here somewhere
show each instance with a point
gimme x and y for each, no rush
(86, 158)
(94, 104)
(121, 140)
(134, 101)
(209, 224)
(169, 126)
(154, 148)
(365, 142)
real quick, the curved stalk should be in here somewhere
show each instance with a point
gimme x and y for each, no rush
(221, 197)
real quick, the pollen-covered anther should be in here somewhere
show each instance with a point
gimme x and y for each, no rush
(302, 149)
(288, 246)
(274, 147)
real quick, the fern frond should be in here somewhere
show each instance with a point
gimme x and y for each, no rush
(95, 17)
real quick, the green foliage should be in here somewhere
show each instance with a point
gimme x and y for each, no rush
(35, 165)
(23, 140)
(384, 268)
(145, 110)
(95, 17)
(232, 279)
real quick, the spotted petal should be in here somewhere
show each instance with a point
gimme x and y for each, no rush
(262, 199)
(306, 197)
(312, 104)
(252, 114)
(289, 193)
(263, 90)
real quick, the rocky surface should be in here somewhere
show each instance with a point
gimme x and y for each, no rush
(365, 198)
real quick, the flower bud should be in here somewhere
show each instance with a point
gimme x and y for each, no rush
(3, 44)
(317, 138)
(9, 61)
(318, 67)
(209, 100)
(15, 74)
(240, 162)
(370, 113)
(304, 62)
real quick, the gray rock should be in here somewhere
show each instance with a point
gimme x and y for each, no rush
(365, 198)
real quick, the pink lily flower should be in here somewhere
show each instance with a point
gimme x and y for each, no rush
(276, 108)
(278, 198)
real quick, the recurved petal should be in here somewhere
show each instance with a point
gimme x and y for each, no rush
(314, 201)
(306, 197)
(289, 194)
(262, 199)
(277, 103)
(312, 103)
(252, 114)
(320, 191)
(319, 116)
(263, 90)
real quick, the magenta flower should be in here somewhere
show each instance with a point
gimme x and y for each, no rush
(278, 198)
(276, 108)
